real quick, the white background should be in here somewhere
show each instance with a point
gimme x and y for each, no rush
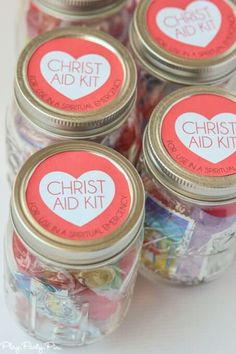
(162, 319)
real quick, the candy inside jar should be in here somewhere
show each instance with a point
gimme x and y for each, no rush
(70, 279)
(63, 92)
(190, 43)
(40, 16)
(70, 304)
(188, 171)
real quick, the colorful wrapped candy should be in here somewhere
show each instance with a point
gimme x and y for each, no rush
(74, 83)
(188, 168)
(181, 44)
(74, 242)
(40, 16)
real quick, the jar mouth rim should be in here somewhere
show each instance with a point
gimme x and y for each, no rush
(210, 190)
(82, 132)
(93, 264)
(73, 10)
(74, 250)
(82, 123)
(167, 66)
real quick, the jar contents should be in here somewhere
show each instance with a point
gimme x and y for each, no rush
(70, 306)
(188, 170)
(191, 43)
(68, 93)
(70, 279)
(184, 243)
(150, 93)
(112, 17)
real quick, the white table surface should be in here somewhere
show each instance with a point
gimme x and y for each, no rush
(162, 319)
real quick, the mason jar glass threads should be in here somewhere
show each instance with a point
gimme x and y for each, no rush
(73, 83)
(185, 43)
(73, 242)
(188, 168)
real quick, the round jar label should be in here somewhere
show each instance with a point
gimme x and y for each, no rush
(78, 195)
(194, 29)
(199, 133)
(75, 75)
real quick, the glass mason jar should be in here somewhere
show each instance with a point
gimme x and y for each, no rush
(191, 43)
(40, 16)
(188, 168)
(74, 83)
(73, 242)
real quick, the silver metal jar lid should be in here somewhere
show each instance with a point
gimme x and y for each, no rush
(158, 51)
(182, 121)
(84, 238)
(80, 9)
(87, 123)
